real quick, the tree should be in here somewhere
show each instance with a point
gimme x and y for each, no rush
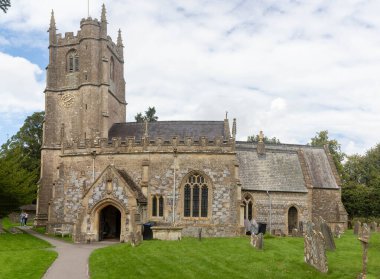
(4, 5)
(20, 164)
(321, 139)
(150, 115)
(256, 138)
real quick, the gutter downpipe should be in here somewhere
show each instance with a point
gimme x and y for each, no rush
(270, 212)
(93, 153)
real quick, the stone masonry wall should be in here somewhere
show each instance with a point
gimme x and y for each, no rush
(281, 202)
(223, 220)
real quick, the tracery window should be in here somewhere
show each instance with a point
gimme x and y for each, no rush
(157, 206)
(72, 61)
(195, 198)
(248, 208)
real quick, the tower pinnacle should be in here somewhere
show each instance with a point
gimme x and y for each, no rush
(103, 21)
(52, 29)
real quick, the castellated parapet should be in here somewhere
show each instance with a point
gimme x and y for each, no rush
(132, 145)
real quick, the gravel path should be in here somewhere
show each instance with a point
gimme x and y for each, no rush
(72, 261)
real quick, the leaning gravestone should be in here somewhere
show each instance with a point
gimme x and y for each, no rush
(357, 227)
(314, 251)
(300, 226)
(257, 241)
(328, 236)
(364, 239)
(373, 226)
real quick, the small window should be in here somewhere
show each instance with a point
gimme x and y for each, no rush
(157, 206)
(248, 208)
(72, 61)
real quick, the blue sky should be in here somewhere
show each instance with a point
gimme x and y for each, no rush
(290, 68)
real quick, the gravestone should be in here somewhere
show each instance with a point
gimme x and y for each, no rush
(257, 241)
(338, 230)
(294, 232)
(357, 227)
(134, 239)
(200, 234)
(1, 227)
(300, 226)
(314, 250)
(373, 226)
(278, 232)
(364, 239)
(328, 236)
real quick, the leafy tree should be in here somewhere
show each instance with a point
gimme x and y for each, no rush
(4, 5)
(256, 138)
(321, 139)
(150, 115)
(20, 164)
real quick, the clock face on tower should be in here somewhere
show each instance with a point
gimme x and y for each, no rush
(67, 100)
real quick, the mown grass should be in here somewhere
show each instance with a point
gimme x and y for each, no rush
(23, 256)
(230, 258)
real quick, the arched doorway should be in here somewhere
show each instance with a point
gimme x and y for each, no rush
(109, 223)
(292, 219)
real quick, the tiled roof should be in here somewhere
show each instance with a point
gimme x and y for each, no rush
(135, 188)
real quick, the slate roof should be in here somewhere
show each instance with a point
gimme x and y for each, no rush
(135, 188)
(168, 129)
(275, 171)
(319, 167)
(280, 168)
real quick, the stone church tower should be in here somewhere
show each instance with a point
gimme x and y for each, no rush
(85, 92)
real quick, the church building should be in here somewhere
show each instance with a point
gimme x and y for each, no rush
(103, 177)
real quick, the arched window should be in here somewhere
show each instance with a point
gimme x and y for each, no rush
(248, 208)
(72, 61)
(112, 69)
(157, 206)
(195, 196)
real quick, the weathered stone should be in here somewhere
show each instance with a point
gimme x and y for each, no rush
(338, 231)
(14, 230)
(200, 234)
(328, 236)
(364, 239)
(257, 241)
(294, 232)
(373, 226)
(314, 251)
(357, 227)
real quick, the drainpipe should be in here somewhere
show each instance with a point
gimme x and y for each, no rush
(93, 154)
(270, 212)
(174, 182)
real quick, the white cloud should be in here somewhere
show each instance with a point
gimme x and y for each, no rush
(20, 89)
(291, 68)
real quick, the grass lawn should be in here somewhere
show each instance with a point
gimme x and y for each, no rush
(230, 258)
(23, 256)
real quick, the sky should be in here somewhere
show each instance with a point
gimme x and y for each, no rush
(290, 68)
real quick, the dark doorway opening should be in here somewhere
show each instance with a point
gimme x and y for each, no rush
(109, 225)
(292, 219)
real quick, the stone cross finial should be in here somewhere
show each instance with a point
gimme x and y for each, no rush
(261, 136)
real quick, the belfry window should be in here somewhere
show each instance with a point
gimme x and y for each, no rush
(112, 69)
(157, 206)
(72, 61)
(195, 196)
